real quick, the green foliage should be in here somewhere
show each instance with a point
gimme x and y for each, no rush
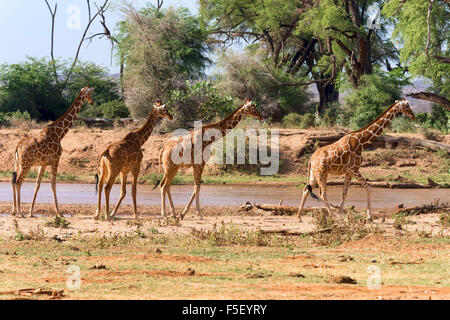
(411, 31)
(295, 120)
(438, 118)
(29, 87)
(242, 76)
(161, 49)
(8, 118)
(87, 73)
(377, 92)
(113, 109)
(200, 100)
(402, 124)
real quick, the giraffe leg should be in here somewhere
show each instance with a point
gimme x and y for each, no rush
(347, 180)
(36, 189)
(20, 178)
(169, 174)
(198, 171)
(363, 182)
(188, 206)
(101, 182)
(311, 182)
(172, 207)
(111, 177)
(322, 181)
(135, 174)
(54, 170)
(123, 192)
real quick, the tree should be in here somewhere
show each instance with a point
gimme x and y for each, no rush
(309, 41)
(162, 48)
(422, 27)
(241, 77)
(29, 86)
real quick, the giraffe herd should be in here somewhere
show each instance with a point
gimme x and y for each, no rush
(342, 157)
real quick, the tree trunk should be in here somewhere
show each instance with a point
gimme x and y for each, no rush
(327, 94)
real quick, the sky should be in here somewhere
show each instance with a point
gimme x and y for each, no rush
(25, 29)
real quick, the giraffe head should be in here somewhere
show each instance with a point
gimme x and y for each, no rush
(404, 107)
(161, 110)
(86, 94)
(250, 109)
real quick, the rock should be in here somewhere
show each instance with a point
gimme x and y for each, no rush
(189, 272)
(342, 279)
(296, 275)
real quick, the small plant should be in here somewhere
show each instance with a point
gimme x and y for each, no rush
(424, 233)
(444, 220)
(353, 228)
(229, 234)
(37, 234)
(58, 222)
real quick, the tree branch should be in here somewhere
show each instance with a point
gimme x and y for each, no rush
(429, 96)
(52, 41)
(100, 10)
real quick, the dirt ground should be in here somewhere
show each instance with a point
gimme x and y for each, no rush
(229, 254)
(83, 145)
(223, 256)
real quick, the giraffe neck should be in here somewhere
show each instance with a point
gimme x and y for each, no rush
(226, 124)
(372, 131)
(64, 123)
(145, 131)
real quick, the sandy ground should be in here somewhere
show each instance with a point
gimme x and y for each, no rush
(82, 222)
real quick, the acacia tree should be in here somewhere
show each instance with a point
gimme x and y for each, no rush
(422, 28)
(310, 41)
(161, 48)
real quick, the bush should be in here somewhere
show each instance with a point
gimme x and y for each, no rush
(114, 109)
(375, 94)
(438, 118)
(295, 120)
(200, 100)
(402, 124)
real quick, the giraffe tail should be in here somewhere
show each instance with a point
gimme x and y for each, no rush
(308, 186)
(96, 183)
(98, 166)
(14, 174)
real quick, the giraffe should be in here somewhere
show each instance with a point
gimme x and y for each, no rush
(125, 156)
(44, 150)
(343, 157)
(171, 168)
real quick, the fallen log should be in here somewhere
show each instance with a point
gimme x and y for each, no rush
(381, 141)
(97, 121)
(434, 207)
(286, 232)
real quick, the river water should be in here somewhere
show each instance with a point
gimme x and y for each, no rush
(221, 195)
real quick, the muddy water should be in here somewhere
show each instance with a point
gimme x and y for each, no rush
(218, 195)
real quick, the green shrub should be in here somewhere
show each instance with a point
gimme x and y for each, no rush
(113, 109)
(375, 94)
(402, 124)
(295, 120)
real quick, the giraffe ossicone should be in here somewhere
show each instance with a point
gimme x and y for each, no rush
(343, 157)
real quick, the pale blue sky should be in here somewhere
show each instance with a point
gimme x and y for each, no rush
(25, 27)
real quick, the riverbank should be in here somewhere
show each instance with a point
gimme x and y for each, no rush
(385, 164)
